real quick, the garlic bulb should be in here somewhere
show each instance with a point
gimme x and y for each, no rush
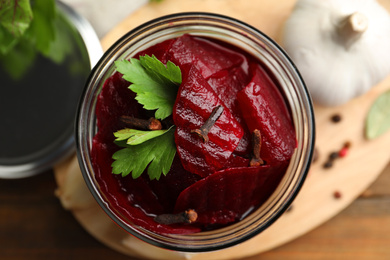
(341, 47)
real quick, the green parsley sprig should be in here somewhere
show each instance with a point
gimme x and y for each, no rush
(156, 86)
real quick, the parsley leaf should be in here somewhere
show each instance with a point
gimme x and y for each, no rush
(25, 20)
(42, 32)
(156, 154)
(155, 83)
(15, 18)
(27, 29)
(134, 137)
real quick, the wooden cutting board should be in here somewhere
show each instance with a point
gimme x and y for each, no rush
(315, 204)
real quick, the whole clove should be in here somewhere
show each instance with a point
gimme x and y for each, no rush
(141, 124)
(188, 216)
(204, 130)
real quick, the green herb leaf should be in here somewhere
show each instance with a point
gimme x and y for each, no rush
(155, 84)
(378, 119)
(42, 32)
(135, 137)
(27, 30)
(18, 61)
(15, 18)
(156, 154)
(165, 74)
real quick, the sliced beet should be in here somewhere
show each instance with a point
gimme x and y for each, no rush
(229, 194)
(263, 108)
(227, 84)
(168, 187)
(114, 101)
(208, 57)
(194, 104)
(158, 50)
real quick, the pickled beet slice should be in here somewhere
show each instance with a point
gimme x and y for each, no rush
(158, 50)
(227, 84)
(206, 56)
(263, 108)
(114, 101)
(194, 104)
(230, 194)
(168, 187)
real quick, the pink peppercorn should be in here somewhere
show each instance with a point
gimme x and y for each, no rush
(343, 152)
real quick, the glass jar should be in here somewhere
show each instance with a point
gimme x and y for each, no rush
(255, 43)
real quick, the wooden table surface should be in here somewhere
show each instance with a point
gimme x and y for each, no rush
(35, 226)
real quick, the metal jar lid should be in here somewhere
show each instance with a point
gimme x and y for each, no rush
(37, 109)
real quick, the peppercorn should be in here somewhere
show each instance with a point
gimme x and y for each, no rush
(337, 194)
(328, 164)
(336, 118)
(333, 155)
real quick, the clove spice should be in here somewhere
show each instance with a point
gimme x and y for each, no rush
(141, 124)
(204, 130)
(188, 216)
(256, 143)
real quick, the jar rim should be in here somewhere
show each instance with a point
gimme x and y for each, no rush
(85, 128)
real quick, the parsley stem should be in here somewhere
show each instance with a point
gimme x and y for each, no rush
(141, 124)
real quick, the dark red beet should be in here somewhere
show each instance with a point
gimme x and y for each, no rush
(194, 104)
(227, 195)
(227, 84)
(158, 50)
(208, 57)
(264, 109)
(115, 100)
(168, 188)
